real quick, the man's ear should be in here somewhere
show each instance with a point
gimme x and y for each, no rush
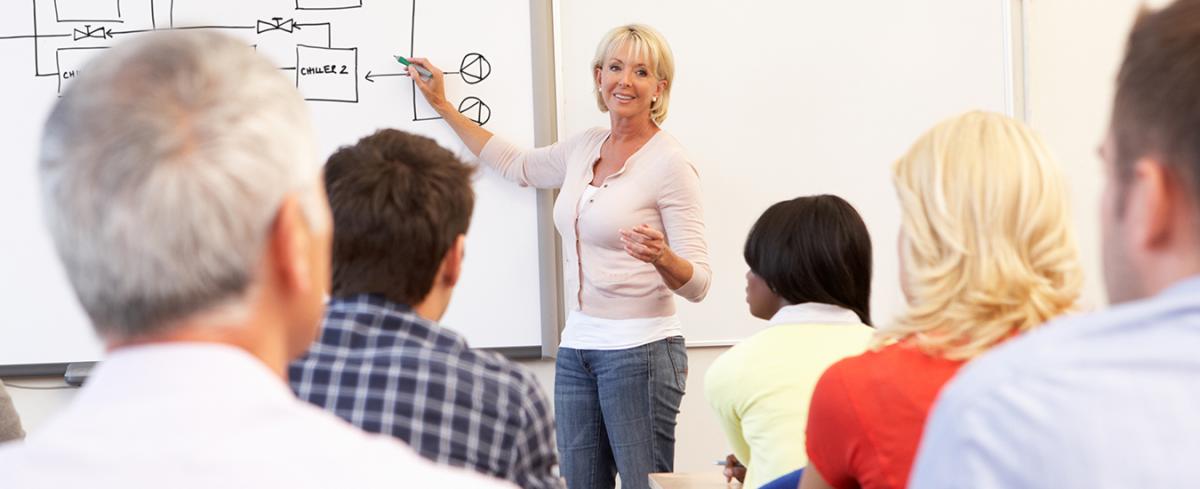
(451, 268)
(290, 241)
(1151, 204)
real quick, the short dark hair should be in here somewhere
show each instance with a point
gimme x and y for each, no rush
(1157, 106)
(399, 203)
(814, 249)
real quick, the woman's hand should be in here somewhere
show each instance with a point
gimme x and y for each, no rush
(645, 243)
(434, 89)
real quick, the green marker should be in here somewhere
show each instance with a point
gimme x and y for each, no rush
(425, 74)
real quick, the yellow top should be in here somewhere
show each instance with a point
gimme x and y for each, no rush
(760, 388)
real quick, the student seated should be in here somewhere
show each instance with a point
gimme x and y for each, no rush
(986, 253)
(1106, 399)
(401, 207)
(810, 276)
(180, 184)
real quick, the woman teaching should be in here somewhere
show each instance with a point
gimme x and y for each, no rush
(630, 218)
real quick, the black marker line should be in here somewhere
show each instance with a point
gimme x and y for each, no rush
(42, 36)
(153, 19)
(119, 9)
(131, 32)
(188, 28)
(371, 75)
(414, 99)
(37, 68)
(328, 29)
(298, 7)
(412, 40)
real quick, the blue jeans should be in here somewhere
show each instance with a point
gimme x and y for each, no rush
(616, 412)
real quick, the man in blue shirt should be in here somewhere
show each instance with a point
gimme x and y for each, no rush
(1107, 399)
(401, 207)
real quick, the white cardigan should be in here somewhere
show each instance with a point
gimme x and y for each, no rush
(658, 186)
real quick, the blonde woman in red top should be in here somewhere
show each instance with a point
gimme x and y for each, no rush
(986, 253)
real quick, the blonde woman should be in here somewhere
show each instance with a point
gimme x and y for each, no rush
(626, 192)
(986, 253)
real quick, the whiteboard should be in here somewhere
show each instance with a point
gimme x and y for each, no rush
(45, 43)
(782, 98)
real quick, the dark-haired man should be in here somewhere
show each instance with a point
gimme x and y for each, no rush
(401, 207)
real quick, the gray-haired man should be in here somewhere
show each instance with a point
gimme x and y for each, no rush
(180, 184)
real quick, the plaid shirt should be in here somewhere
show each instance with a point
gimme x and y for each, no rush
(386, 370)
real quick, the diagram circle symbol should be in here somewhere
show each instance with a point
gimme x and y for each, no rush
(474, 68)
(475, 110)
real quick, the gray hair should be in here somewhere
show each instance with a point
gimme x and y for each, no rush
(162, 169)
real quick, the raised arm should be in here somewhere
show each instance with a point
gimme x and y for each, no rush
(541, 167)
(434, 90)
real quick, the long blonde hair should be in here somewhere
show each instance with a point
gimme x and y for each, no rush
(988, 249)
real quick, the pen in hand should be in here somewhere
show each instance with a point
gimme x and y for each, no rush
(425, 74)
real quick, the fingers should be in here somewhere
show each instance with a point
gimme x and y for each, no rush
(424, 63)
(645, 232)
(643, 242)
(438, 75)
(646, 253)
(416, 76)
(432, 88)
(642, 234)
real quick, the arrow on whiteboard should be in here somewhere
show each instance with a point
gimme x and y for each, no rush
(371, 76)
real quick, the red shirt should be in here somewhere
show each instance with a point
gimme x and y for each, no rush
(867, 414)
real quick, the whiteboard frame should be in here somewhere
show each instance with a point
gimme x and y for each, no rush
(544, 43)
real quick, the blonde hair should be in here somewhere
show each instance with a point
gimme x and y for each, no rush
(989, 252)
(644, 42)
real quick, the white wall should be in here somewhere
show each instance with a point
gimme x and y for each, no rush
(1074, 53)
(1075, 49)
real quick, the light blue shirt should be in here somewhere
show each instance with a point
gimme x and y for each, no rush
(1102, 400)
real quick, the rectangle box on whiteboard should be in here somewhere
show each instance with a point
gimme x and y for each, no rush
(87, 10)
(327, 74)
(327, 4)
(71, 62)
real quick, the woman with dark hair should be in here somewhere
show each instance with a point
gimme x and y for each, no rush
(810, 276)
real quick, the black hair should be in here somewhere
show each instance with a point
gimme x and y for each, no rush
(814, 249)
